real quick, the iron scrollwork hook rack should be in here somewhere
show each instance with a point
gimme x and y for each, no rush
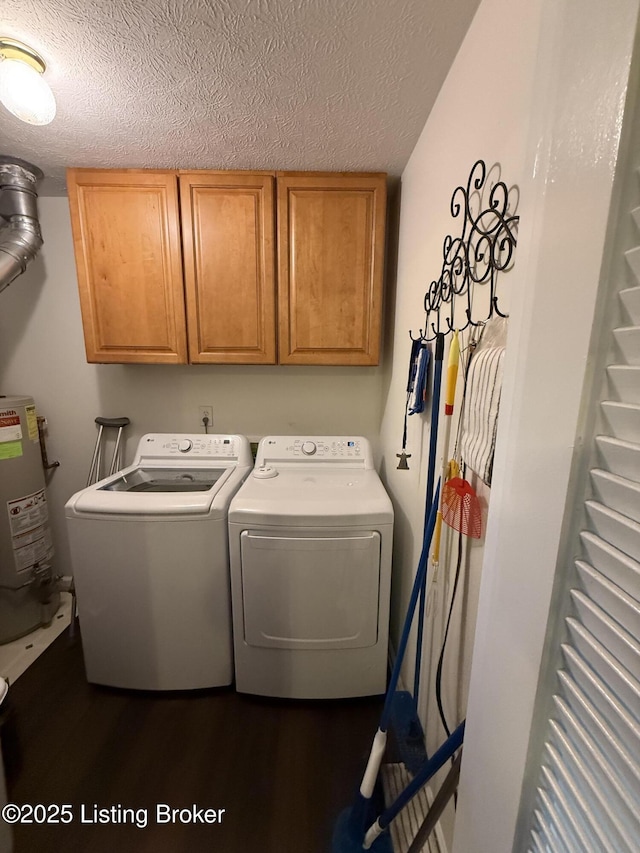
(483, 249)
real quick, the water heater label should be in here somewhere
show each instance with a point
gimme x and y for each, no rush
(32, 422)
(30, 534)
(10, 449)
(10, 429)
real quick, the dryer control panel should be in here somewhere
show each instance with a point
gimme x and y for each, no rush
(314, 449)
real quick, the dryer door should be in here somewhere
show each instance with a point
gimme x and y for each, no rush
(310, 592)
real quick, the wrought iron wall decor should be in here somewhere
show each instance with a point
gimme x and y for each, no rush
(483, 249)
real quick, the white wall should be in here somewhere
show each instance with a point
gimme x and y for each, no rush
(524, 93)
(576, 121)
(42, 355)
(482, 112)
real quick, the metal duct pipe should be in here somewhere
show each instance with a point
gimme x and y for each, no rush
(20, 237)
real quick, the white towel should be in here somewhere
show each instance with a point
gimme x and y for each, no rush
(480, 412)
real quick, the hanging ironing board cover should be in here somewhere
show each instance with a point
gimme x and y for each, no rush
(480, 413)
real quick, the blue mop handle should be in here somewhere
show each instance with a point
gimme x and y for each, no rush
(435, 413)
(406, 630)
(431, 474)
(428, 769)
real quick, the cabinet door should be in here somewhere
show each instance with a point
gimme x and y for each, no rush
(126, 234)
(229, 263)
(330, 265)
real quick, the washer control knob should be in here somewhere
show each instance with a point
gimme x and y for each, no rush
(185, 445)
(308, 448)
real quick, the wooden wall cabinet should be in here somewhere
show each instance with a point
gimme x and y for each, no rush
(229, 266)
(126, 234)
(330, 266)
(181, 266)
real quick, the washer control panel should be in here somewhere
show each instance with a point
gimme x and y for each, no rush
(198, 446)
(314, 449)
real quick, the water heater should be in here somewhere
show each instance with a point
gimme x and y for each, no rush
(28, 598)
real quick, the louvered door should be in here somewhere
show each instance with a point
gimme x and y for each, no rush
(588, 792)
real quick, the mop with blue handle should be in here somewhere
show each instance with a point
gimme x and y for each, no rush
(405, 721)
(347, 839)
(353, 823)
(428, 770)
(415, 729)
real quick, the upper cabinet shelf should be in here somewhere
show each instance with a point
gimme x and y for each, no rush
(229, 267)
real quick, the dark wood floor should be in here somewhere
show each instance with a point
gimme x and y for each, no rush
(281, 770)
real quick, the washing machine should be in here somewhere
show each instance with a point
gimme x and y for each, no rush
(310, 537)
(149, 552)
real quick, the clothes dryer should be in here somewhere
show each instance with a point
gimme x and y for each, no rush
(149, 550)
(310, 536)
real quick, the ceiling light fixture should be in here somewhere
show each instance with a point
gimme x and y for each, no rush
(23, 89)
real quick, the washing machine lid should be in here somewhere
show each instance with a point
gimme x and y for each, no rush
(161, 490)
(148, 478)
(311, 496)
(172, 474)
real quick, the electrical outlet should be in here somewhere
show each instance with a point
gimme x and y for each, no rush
(205, 411)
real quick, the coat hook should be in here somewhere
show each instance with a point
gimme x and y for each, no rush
(496, 309)
(482, 248)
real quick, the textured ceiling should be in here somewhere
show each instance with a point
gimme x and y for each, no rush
(339, 85)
